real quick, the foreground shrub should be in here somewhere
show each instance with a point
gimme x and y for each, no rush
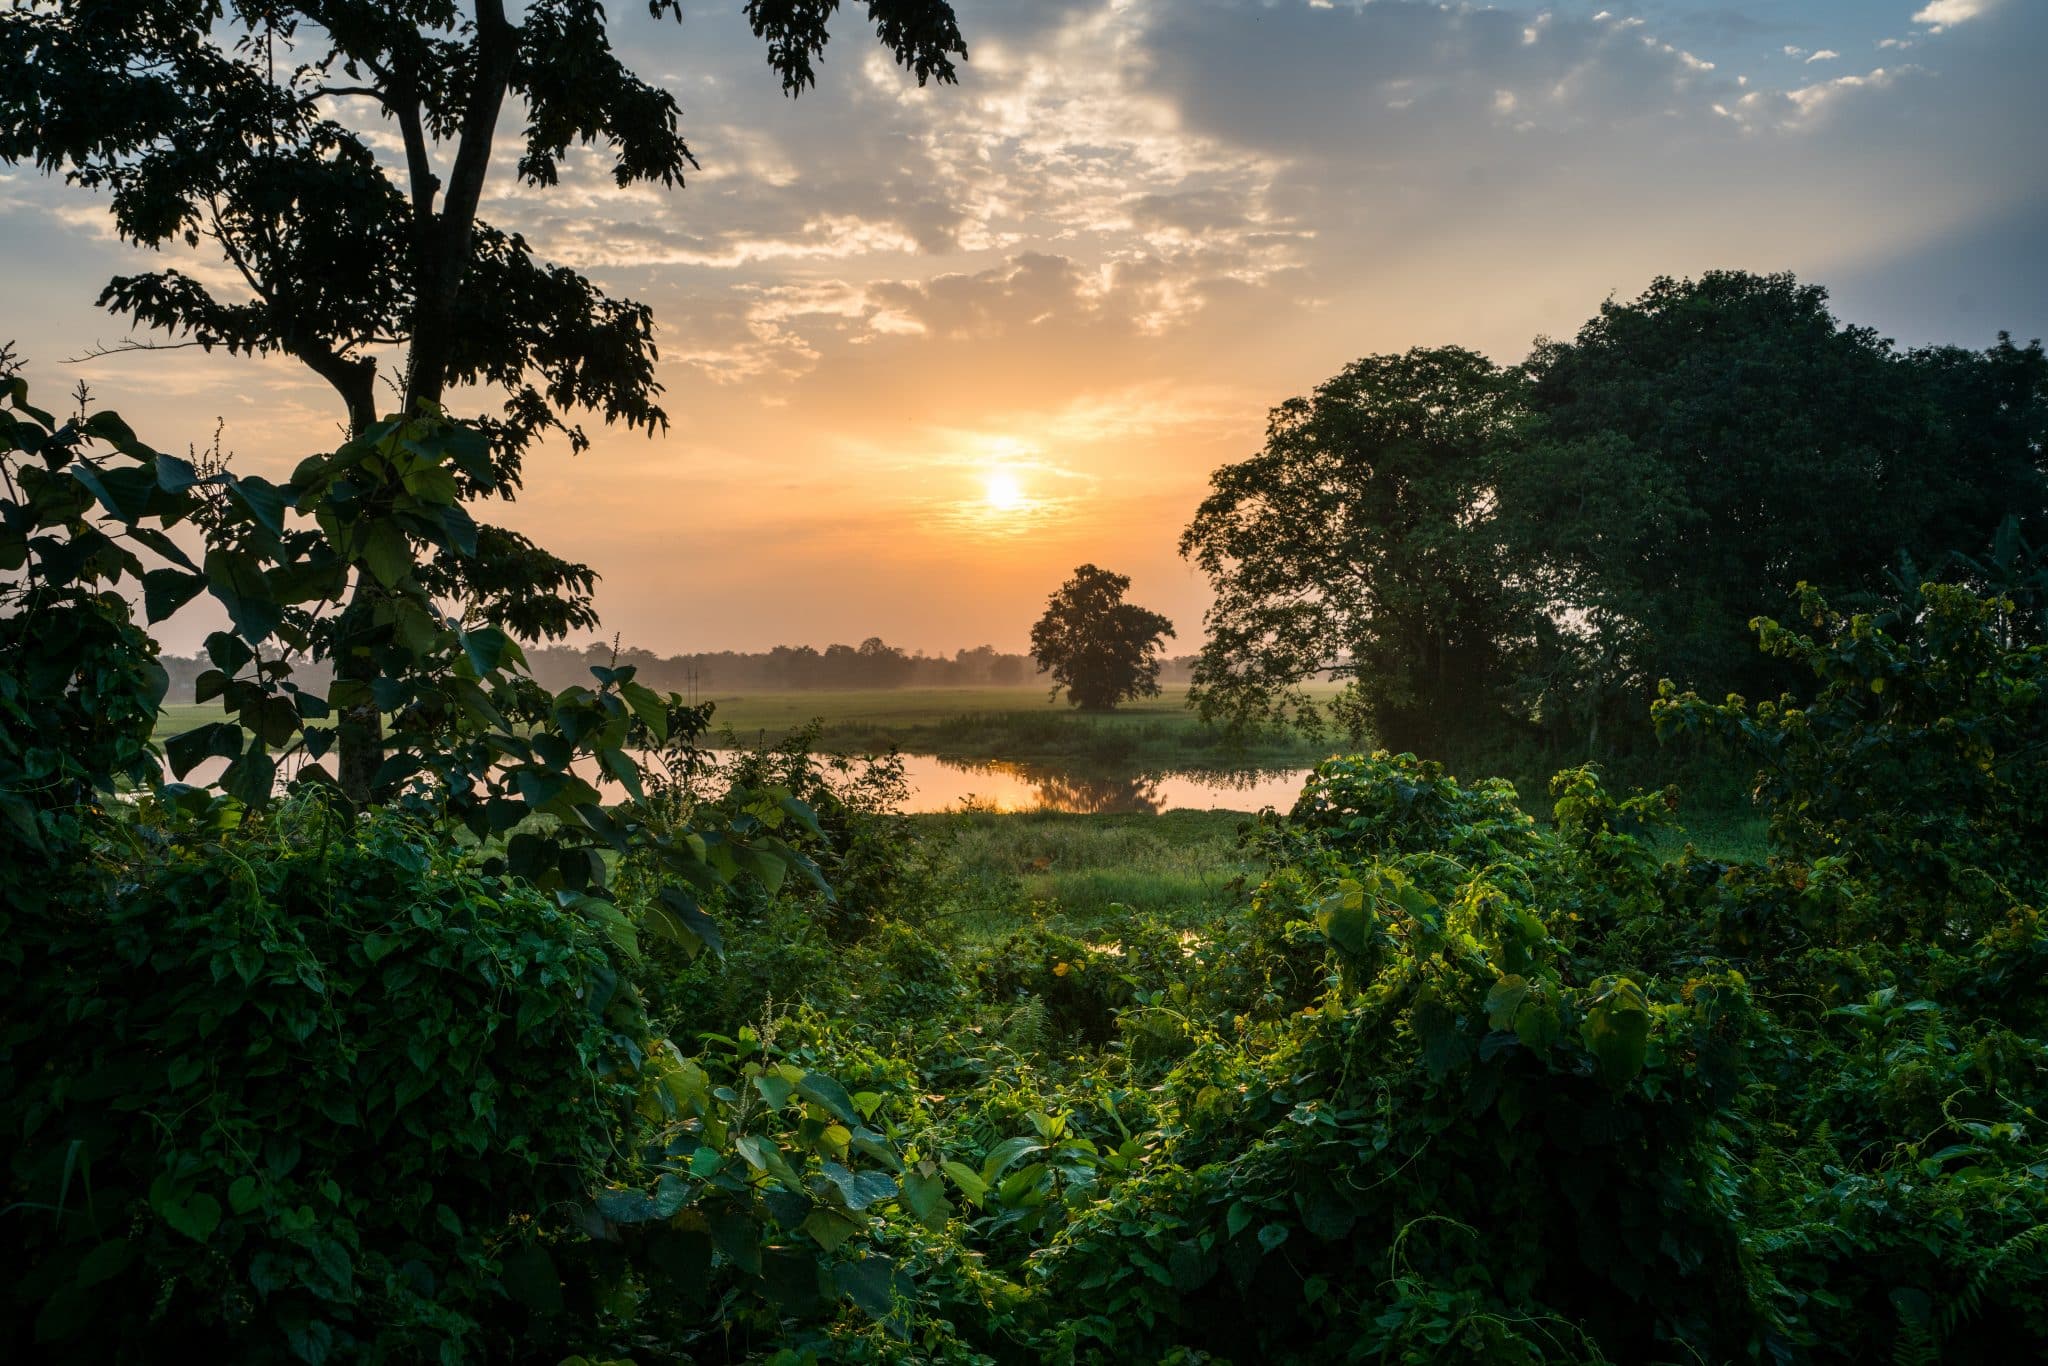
(304, 1092)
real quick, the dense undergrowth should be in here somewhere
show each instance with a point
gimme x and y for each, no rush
(1400, 1075)
(1417, 1077)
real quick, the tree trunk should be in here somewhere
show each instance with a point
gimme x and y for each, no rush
(443, 246)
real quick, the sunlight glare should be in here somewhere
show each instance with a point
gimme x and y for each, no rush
(1002, 492)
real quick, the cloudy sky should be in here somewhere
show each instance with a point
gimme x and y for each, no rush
(926, 350)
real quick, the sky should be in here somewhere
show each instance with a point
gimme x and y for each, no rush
(927, 350)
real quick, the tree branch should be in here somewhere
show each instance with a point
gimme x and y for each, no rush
(445, 254)
(96, 351)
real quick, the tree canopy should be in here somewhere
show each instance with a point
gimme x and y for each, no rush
(1362, 544)
(252, 128)
(1487, 552)
(1098, 647)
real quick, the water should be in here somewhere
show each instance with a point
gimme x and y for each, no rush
(946, 784)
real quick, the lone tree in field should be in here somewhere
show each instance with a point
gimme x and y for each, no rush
(254, 129)
(1098, 647)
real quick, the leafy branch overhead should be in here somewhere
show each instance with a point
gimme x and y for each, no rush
(251, 130)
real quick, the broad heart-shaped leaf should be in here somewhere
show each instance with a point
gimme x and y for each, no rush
(1444, 1046)
(174, 475)
(251, 779)
(869, 1283)
(859, 1189)
(194, 1214)
(830, 1227)
(459, 528)
(647, 705)
(265, 501)
(1345, 921)
(627, 1206)
(388, 553)
(775, 1088)
(1006, 1152)
(164, 591)
(1617, 1030)
(967, 1179)
(680, 920)
(188, 750)
(236, 579)
(229, 652)
(430, 484)
(487, 648)
(125, 492)
(531, 1279)
(820, 1089)
(924, 1195)
(1505, 999)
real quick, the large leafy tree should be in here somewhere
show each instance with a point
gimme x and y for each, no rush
(252, 127)
(1362, 544)
(1098, 647)
(1697, 453)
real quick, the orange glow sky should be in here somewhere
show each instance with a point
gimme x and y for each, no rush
(1089, 270)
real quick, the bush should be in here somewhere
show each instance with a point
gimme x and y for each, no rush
(304, 1092)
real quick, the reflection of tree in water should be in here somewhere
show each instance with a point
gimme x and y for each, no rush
(1085, 793)
(1094, 793)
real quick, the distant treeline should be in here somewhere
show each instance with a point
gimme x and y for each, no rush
(786, 668)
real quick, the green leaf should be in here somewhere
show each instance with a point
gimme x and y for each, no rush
(265, 501)
(820, 1089)
(430, 484)
(830, 1228)
(186, 751)
(967, 1179)
(164, 591)
(924, 1196)
(1505, 999)
(251, 779)
(775, 1088)
(1444, 1046)
(487, 647)
(196, 1216)
(627, 1206)
(174, 475)
(859, 1189)
(869, 1283)
(531, 1279)
(388, 554)
(1006, 1152)
(1617, 1031)
(1345, 920)
(236, 579)
(681, 921)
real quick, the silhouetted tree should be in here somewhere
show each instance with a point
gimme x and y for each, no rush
(1695, 454)
(253, 127)
(1362, 544)
(1098, 647)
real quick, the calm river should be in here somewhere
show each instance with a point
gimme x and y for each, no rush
(946, 784)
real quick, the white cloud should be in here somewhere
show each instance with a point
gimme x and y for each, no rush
(1826, 54)
(1953, 11)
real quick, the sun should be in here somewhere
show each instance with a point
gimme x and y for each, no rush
(1001, 491)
